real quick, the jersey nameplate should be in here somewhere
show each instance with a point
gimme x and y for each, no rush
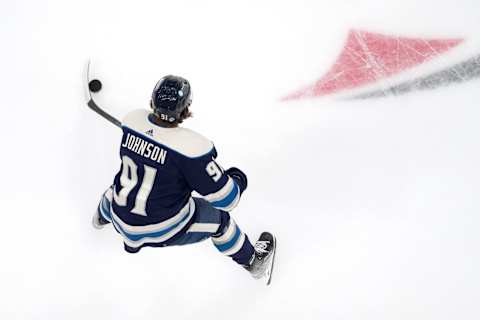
(144, 148)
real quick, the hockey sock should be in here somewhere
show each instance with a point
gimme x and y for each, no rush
(232, 242)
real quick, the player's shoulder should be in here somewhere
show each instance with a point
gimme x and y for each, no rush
(184, 141)
(190, 143)
(135, 118)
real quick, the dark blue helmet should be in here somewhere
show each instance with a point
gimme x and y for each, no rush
(170, 97)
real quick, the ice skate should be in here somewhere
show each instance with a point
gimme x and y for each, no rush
(263, 260)
(98, 221)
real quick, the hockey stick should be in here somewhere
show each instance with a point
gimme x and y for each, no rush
(92, 104)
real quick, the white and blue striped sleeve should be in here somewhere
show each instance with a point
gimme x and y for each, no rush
(207, 177)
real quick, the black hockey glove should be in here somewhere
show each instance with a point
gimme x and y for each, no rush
(239, 177)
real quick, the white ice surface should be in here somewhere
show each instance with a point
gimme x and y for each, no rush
(375, 203)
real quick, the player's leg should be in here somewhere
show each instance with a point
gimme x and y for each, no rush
(102, 215)
(210, 222)
(232, 242)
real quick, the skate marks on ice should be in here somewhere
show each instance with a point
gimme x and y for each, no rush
(370, 58)
(464, 71)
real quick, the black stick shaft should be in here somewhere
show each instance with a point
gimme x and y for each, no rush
(92, 104)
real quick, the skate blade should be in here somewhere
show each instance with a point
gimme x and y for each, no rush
(97, 224)
(268, 274)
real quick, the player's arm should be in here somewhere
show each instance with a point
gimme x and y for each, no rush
(221, 188)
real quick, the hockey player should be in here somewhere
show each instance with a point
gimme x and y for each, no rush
(150, 202)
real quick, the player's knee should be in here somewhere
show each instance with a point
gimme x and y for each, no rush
(224, 222)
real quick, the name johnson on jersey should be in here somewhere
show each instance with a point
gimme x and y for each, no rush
(144, 148)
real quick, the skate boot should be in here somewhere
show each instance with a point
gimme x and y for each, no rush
(98, 221)
(261, 264)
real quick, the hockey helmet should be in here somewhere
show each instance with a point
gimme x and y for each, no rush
(170, 97)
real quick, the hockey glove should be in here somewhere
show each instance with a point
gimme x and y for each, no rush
(239, 177)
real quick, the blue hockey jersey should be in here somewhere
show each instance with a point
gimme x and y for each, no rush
(152, 192)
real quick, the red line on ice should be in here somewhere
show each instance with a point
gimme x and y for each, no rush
(368, 57)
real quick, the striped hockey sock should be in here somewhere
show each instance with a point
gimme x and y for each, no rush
(234, 243)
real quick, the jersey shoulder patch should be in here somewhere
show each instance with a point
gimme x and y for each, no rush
(182, 140)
